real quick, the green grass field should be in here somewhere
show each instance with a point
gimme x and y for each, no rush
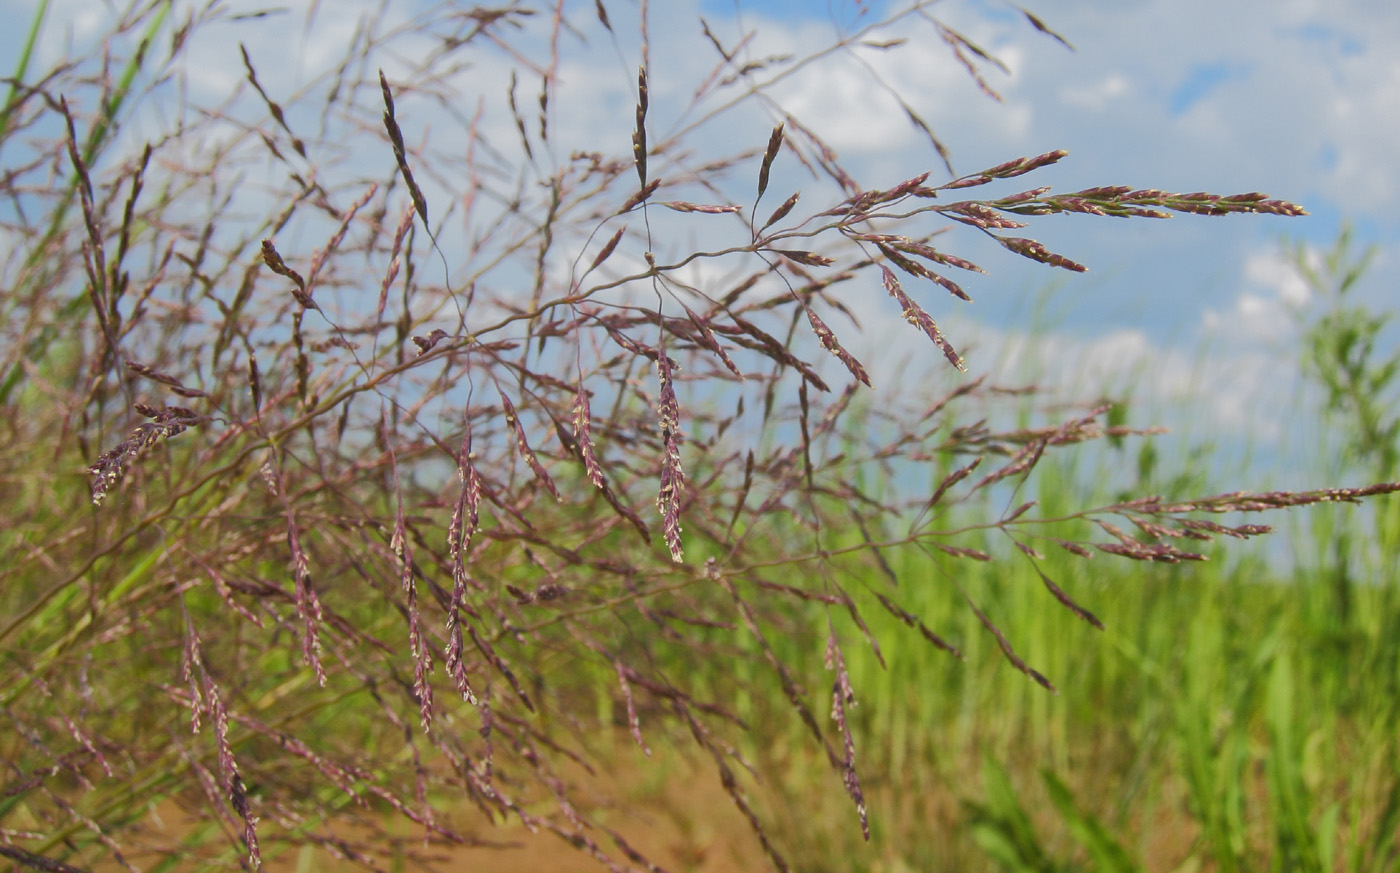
(1229, 717)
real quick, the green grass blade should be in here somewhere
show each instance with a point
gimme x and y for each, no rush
(1379, 853)
(1108, 854)
(1288, 791)
(1327, 837)
(36, 25)
(1003, 829)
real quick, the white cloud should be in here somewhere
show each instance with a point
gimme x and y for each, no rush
(1270, 269)
(1235, 389)
(1253, 318)
(1097, 96)
(1227, 390)
(1265, 312)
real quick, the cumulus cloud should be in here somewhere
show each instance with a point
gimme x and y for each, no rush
(1097, 96)
(1269, 269)
(1264, 310)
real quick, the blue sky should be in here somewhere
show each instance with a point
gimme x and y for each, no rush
(790, 10)
(1296, 98)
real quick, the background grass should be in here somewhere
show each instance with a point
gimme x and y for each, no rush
(1230, 717)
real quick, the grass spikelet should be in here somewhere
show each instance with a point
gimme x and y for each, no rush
(810, 259)
(297, 145)
(427, 343)
(302, 365)
(926, 251)
(307, 602)
(522, 445)
(708, 209)
(112, 465)
(668, 498)
(1022, 462)
(708, 339)
(640, 197)
(804, 430)
(1009, 169)
(519, 119)
(275, 263)
(634, 724)
(1029, 248)
(399, 544)
(915, 315)
(831, 344)
(639, 135)
(962, 47)
(781, 212)
(608, 248)
(460, 530)
(843, 697)
(775, 142)
(175, 385)
(583, 438)
(772, 348)
(1060, 595)
(395, 260)
(543, 100)
(1041, 26)
(391, 126)
(233, 786)
(1006, 649)
(913, 621)
(914, 268)
(980, 216)
(318, 258)
(255, 382)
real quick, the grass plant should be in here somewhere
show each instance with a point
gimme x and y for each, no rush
(1219, 722)
(349, 454)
